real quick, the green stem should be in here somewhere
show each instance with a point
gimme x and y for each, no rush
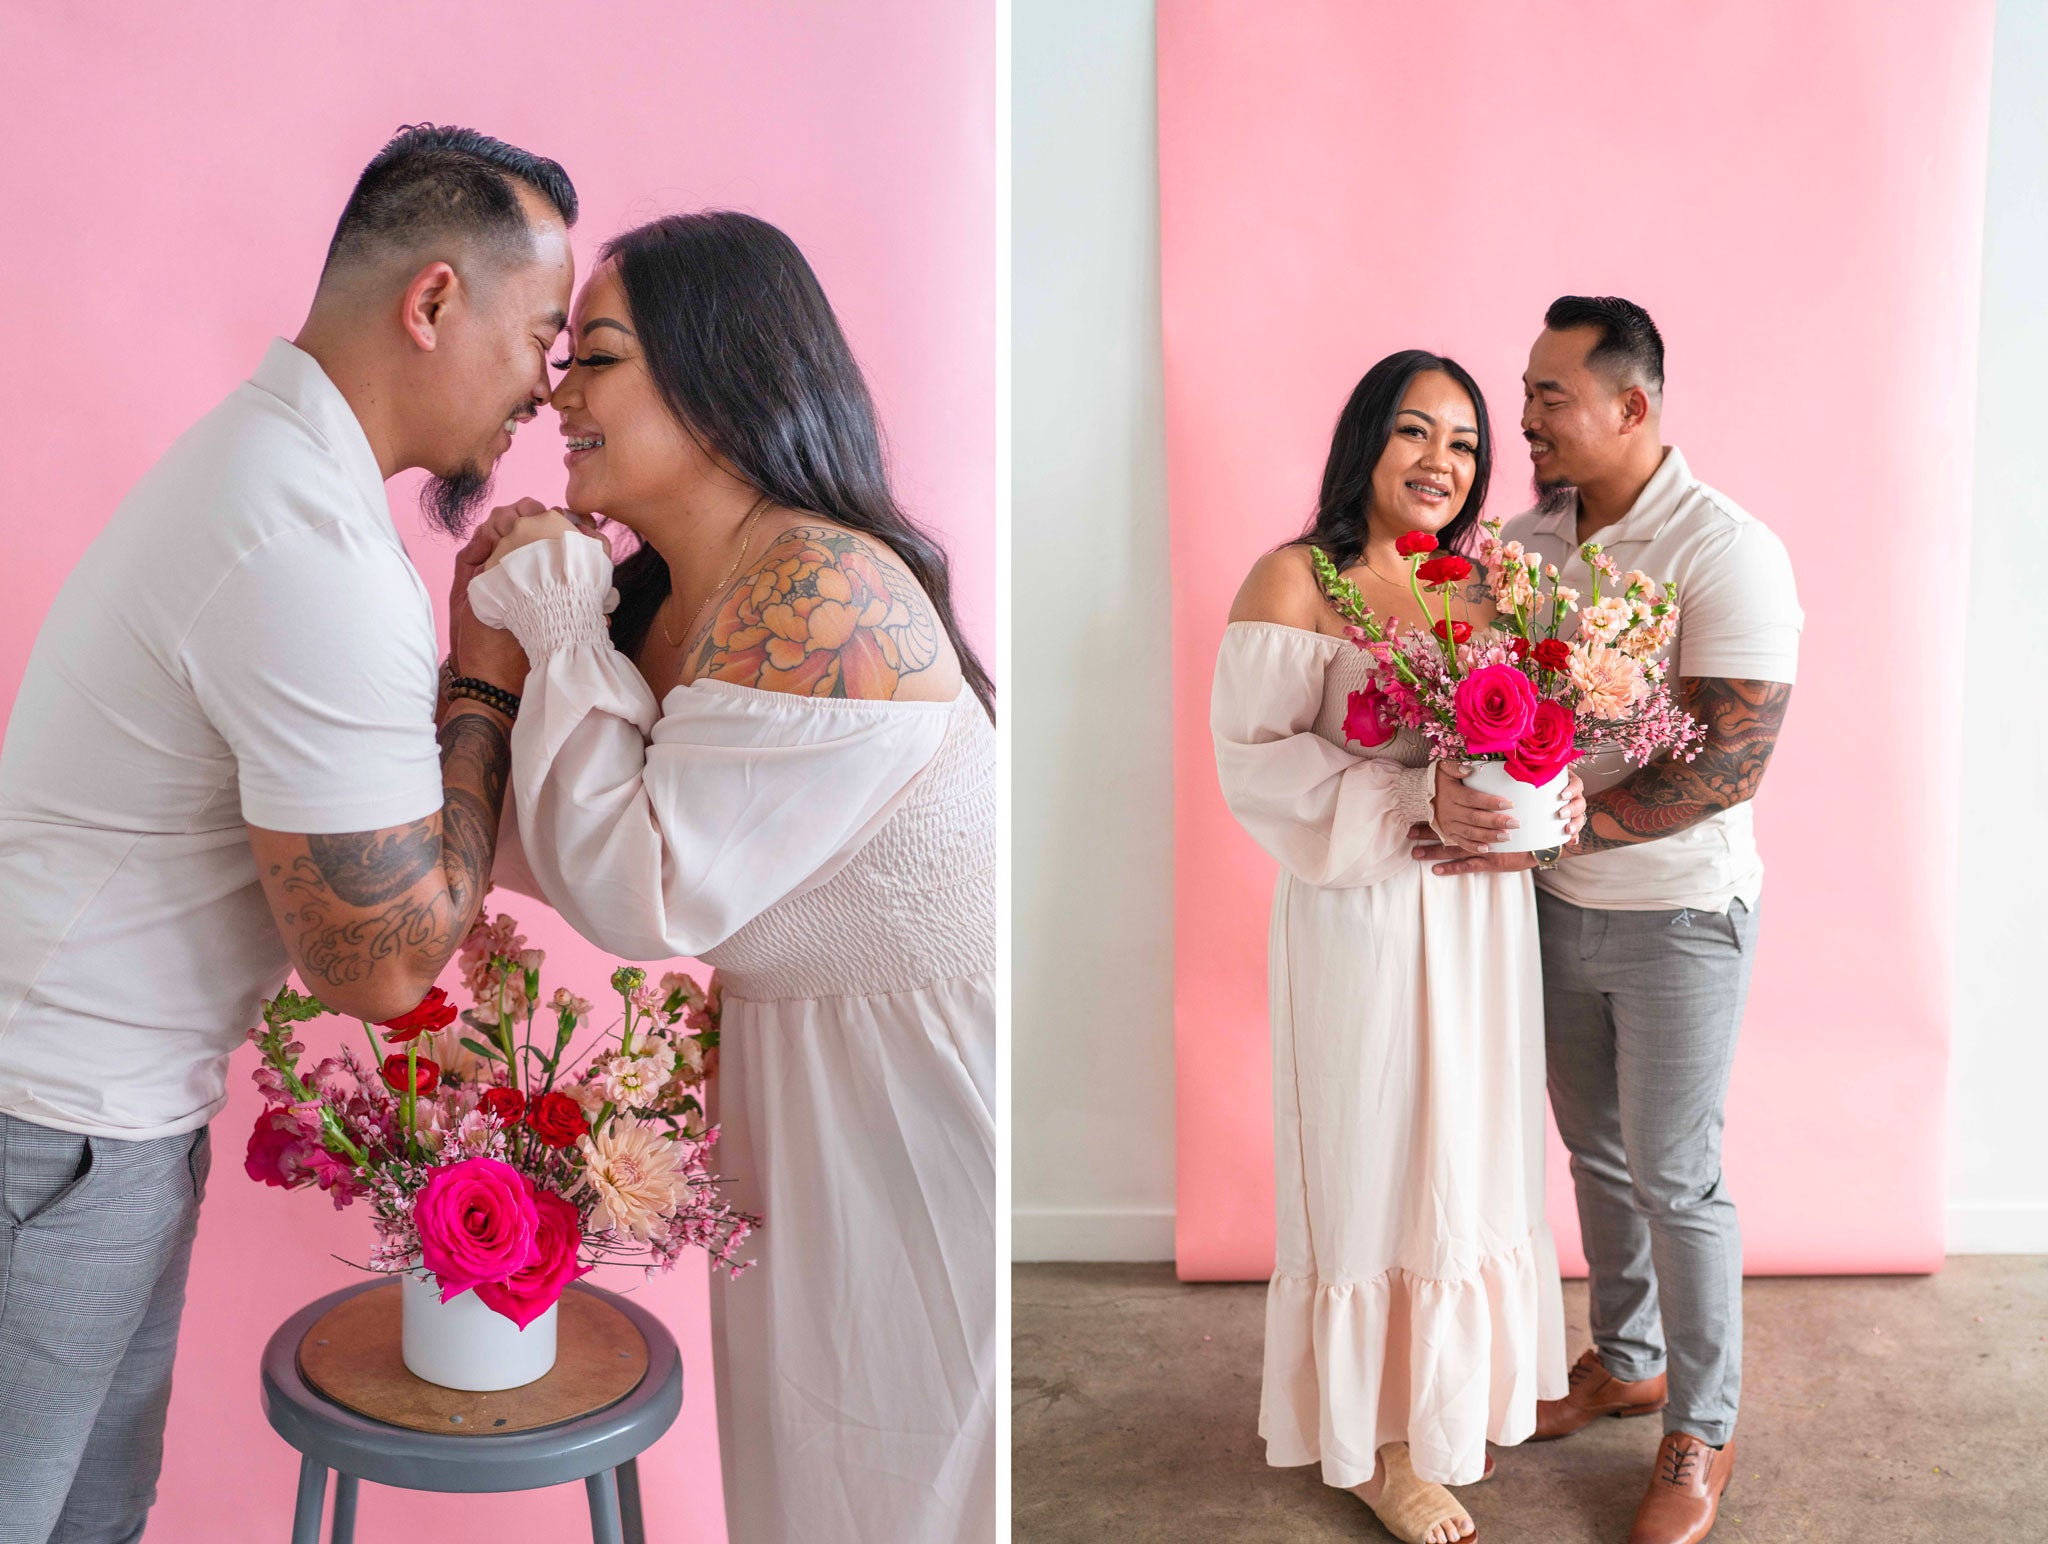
(412, 1083)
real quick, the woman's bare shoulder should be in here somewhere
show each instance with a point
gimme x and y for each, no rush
(829, 612)
(1282, 588)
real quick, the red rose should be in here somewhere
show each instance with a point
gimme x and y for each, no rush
(433, 1013)
(1546, 749)
(426, 1074)
(1519, 647)
(1459, 632)
(1448, 569)
(508, 1104)
(1416, 544)
(1553, 654)
(1369, 717)
(556, 1119)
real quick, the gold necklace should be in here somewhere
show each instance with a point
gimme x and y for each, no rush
(746, 535)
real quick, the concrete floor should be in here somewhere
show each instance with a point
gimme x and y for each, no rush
(1874, 1409)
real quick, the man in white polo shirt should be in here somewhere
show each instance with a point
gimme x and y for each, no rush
(229, 757)
(1649, 922)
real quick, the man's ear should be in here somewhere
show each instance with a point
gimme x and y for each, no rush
(426, 300)
(1635, 409)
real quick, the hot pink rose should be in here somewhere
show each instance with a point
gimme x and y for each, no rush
(1546, 749)
(527, 1294)
(1494, 707)
(477, 1223)
(1369, 719)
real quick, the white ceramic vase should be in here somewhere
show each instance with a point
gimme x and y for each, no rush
(464, 1344)
(1538, 824)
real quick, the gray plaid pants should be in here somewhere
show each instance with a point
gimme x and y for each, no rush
(95, 1238)
(1641, 1010)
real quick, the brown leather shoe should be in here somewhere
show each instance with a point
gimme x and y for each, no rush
(1685, 1493)
(1595, 1392)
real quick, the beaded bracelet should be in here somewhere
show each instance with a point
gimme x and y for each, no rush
(482, 691)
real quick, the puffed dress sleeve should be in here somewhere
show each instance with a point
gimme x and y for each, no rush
(1329, 817)
(660, 829)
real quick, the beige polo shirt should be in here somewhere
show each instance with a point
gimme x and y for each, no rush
(245, 643)
(1739, 619)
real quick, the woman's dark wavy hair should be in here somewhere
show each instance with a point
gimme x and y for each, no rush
(746, 352)
(1363, 429)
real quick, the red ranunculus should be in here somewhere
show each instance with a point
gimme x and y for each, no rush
(433, 1013)
(528, 1293)
(1519, 647)
(1448, 569)
(1369, 717)
(556, 1119)
(1460, 631)
(1553, 653)
(426, 1074)
(1416, 544)
(1547, 748)
(507, 1104)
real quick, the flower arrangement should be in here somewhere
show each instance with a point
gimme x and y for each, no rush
(502, 1164)
(1517, 692)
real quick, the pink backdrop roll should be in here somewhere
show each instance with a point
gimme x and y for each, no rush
(1795, 194)
(176, 174)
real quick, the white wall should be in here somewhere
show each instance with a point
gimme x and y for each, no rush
(1092, 774)
(1092, 1114)
(1998, 1127)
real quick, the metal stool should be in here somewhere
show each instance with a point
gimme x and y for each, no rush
(599, 1449)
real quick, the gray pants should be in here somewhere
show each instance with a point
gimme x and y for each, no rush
(95, 1238)
(1641, 1012)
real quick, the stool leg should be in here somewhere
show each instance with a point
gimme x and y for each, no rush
(312, 1502)
(604, 1508)
(344, 1509)
(634, 1526)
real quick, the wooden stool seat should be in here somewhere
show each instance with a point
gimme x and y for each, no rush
(335, 1388)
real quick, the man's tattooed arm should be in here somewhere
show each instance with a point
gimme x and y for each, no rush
(370, 917)
(1742, 719)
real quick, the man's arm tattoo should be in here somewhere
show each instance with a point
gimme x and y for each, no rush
(476, 764)
(361, 899)
(1742, 719)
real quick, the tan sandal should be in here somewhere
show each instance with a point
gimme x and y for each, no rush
(1409, 1506)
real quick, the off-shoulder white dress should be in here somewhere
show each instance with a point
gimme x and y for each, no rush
(1415, 1292)
(835, 861)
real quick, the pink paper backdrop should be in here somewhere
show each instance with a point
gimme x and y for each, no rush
(1795, 194)
(176, 173)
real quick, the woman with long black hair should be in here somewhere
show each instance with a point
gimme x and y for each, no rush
(777, 756)
(1414, 1312)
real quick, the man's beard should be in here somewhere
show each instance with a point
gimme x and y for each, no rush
(1553, 498)
(452, 502)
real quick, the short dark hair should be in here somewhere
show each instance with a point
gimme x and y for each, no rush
(433, 181)
(1629, 347)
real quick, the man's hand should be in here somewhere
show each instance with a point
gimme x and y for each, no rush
(1455, 860)
(470, 561)
(539, 525)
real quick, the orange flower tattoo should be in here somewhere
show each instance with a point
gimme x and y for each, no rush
(823, 617)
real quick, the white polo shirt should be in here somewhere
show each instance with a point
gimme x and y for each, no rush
(1738, 619)
(246, 641)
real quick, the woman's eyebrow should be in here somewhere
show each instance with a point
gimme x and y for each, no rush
(1457, 429)
(604, 321)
